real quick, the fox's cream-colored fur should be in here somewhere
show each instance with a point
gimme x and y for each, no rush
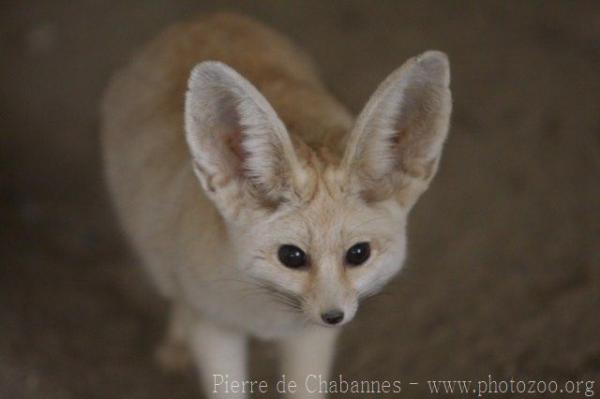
(221, 145)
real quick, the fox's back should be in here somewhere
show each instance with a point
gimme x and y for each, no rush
(149, 92)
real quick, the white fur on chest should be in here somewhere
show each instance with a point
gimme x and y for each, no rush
(241, 305)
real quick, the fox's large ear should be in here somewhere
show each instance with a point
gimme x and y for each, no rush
(238, 143)
(395, 146)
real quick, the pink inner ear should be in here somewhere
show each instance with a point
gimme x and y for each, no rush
(233, 142)
(231, 134)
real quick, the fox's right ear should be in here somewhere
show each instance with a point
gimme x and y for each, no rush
(240, 148)
(395, 146)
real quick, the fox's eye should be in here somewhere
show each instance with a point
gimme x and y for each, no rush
(358, 253)
(291, 256)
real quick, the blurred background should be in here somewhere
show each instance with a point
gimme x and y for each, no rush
(503, 275)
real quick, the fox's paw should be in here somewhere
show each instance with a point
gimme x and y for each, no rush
(173, 356)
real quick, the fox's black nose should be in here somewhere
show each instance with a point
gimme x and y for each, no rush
(333, 316)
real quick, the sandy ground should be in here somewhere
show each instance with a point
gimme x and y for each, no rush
(504, 268)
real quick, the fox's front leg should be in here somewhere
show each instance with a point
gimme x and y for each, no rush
(173, 353)
(220, 356)
(308, 355)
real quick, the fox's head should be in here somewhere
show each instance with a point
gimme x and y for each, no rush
(320, 231)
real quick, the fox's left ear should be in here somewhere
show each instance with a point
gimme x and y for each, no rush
(240, 147)
(396, 144)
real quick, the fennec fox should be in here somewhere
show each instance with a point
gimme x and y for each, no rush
(259, 206)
